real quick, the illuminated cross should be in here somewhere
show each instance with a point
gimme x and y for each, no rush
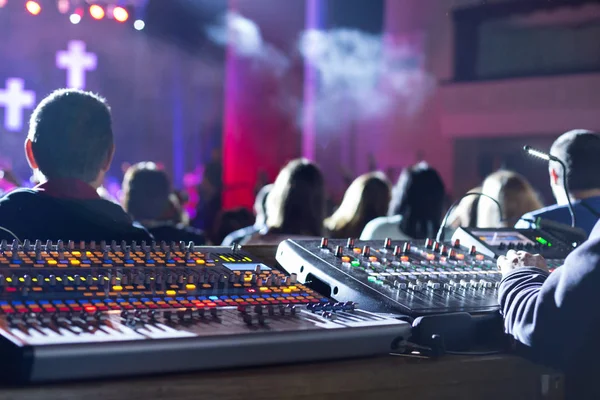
(14, 99)
(76, 61)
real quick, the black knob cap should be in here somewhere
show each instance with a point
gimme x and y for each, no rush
(457, 243)
(366, 251)
(473, 250)
(350, 243)
(387, 243)
(501, 246)
(339, 251)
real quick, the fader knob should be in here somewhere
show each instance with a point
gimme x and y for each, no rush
(48, 245)
(387, 243)
(26, 245)
(406, 248)
(60, 245)
(3, 245)
(339, 251)
(350, 243)
(444, 250)
(113, 246)
(103, 245)
(181, 246)
(397, 251)
(457, 243)
(428, 243)
(473, 251)
(436, 246)
(452, 254)
(366, 251)
(324, 243)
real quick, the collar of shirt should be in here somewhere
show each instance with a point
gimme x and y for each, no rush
(64, 188)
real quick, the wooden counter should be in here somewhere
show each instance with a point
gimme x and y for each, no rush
(451, 377)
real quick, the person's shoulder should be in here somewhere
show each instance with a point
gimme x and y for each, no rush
(549, 210)
(19, 198)
(380, 226)
(19, 194)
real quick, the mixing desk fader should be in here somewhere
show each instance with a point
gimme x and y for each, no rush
(417, 278)
(86, 310)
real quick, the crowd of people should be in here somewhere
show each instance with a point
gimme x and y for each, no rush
(70, 147)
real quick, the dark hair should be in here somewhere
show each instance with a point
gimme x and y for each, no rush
(365, 199)
(146, 192)
(296, 204)
(71, 135)
(419, 197)
(580, 151)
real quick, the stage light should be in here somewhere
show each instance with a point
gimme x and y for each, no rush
(33, 7)
(63, 6)
(120, 14)
(75, 19)
(139, 24)
(96, 11)
(3, 3)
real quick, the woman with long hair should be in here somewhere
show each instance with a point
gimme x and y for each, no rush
(365, 199)
(415, 211)
(515, 195)
(295, 205)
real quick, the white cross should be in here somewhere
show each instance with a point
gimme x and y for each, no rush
(76, 61)
(14, 99)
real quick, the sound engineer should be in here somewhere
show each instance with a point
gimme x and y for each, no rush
(556, 315)
(70, 148)
(579, 149)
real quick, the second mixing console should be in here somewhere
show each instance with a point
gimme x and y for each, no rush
(403, 277)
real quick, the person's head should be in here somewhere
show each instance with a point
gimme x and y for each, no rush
(367, 198)
(296, 203)
(515, 195)
(70, 136)
(147, 192)
(260, 205)
(579, 149)
(419, 198)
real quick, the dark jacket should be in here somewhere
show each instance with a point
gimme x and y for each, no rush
(557, 316)
(34, 214)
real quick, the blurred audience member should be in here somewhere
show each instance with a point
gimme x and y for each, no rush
(295, 205)
(242, 235)
(231, 221)
(70, 148)
(515, 195)
(367, 198)
(211, 195)
(580, 151)
(416, 207)
(149, 198)
(465, 213)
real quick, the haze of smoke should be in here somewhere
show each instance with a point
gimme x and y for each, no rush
(360, 78)
(245, 38)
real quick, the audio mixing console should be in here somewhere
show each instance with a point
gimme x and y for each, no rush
(405, 277)
(86, 310)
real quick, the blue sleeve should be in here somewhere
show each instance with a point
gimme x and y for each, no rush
(548, 312)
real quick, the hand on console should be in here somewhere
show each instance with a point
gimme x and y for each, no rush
(518, 259)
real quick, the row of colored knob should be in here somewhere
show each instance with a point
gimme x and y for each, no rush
(163, 246)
